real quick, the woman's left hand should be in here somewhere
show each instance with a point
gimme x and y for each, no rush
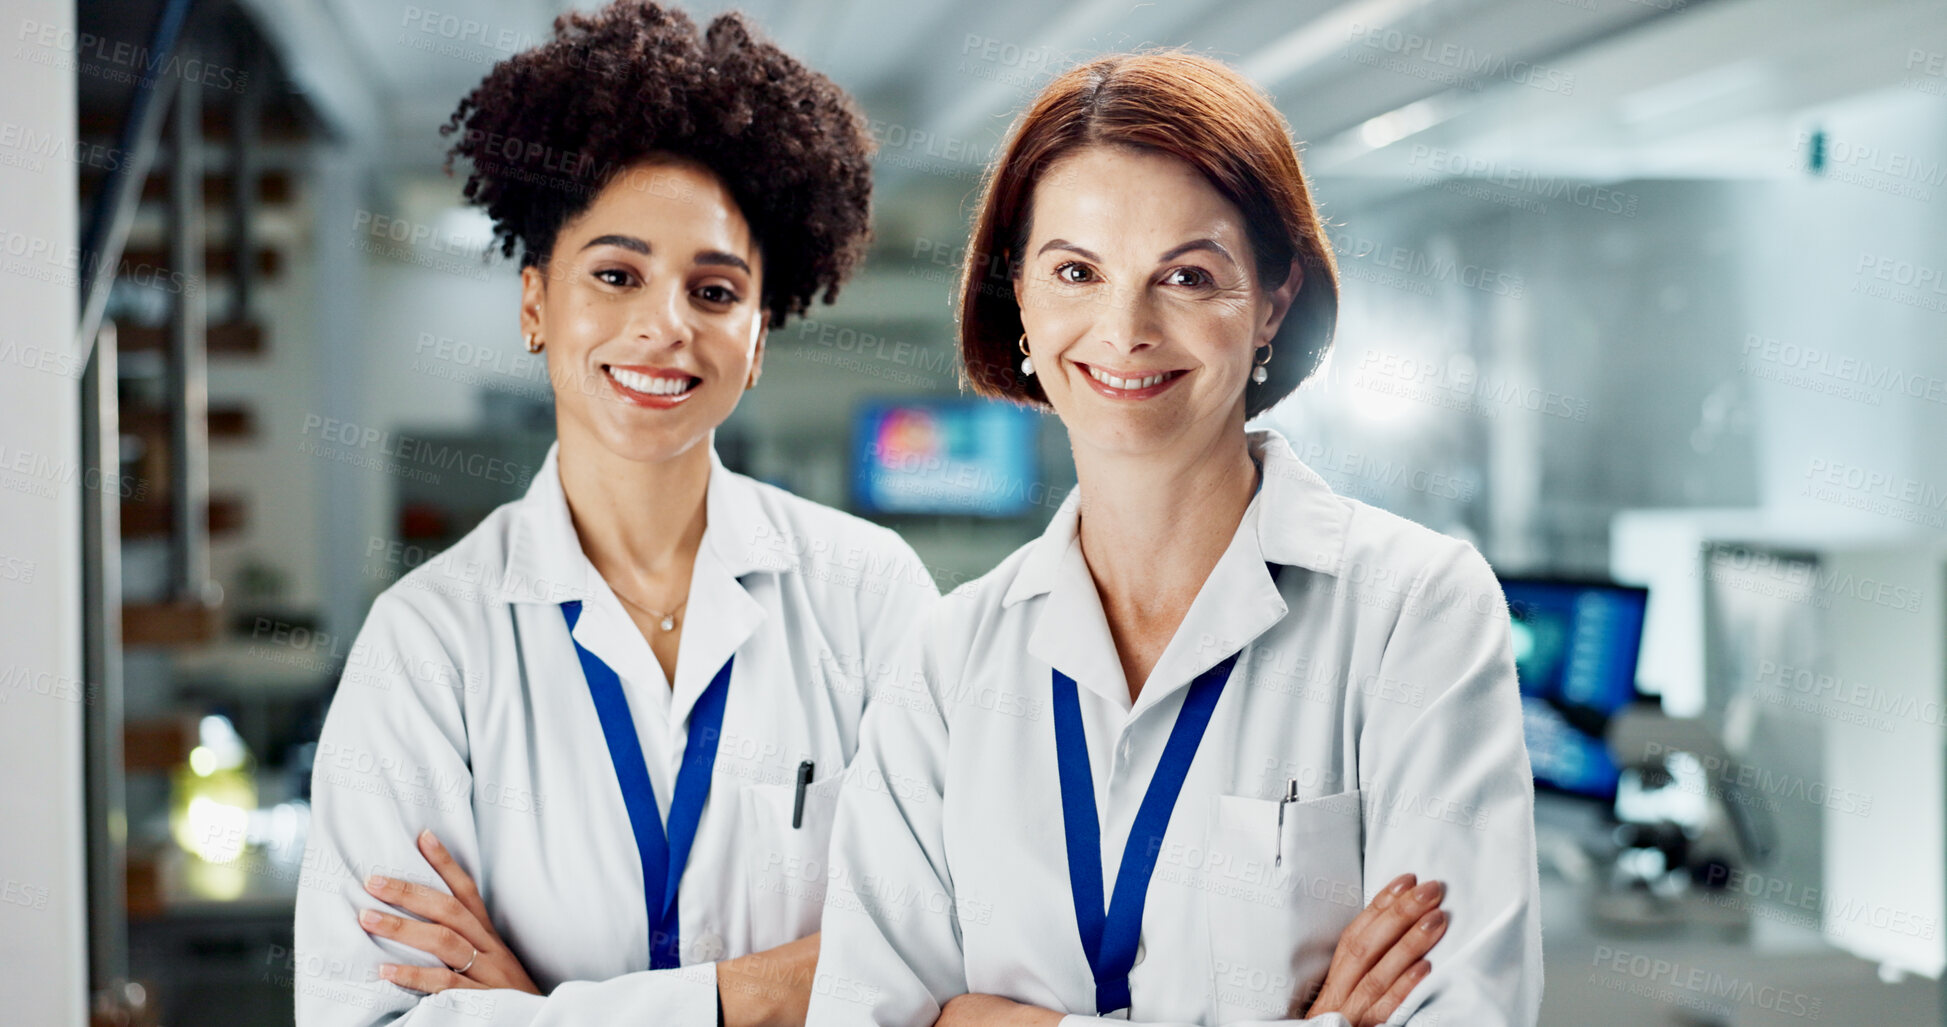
(993, 1011)
(456, 930)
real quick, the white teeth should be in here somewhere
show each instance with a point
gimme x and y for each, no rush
(1129, 384)
(654, 385)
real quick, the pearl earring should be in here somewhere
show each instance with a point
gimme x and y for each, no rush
(1258, 373)
(533, 344)
(1027, 362)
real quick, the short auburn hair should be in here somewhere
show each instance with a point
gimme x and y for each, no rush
(1191, 108)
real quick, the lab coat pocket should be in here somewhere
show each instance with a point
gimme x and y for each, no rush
(1277, 898)
(786, 866)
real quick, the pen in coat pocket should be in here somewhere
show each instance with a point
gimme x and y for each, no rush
(1290, 795)
(797, 805)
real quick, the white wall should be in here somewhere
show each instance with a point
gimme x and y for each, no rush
(1839, 265)
(43, 968)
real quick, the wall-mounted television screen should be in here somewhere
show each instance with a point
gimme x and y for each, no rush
(969, 457)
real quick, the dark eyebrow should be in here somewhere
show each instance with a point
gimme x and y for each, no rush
(1192, 246)
(718, 258)
(714, 258)
(1063, 244)
(627, 242)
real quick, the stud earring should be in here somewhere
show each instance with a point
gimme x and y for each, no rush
(533, 344)
(1027, 362)
(1258, 373)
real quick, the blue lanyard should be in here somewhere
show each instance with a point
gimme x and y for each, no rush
(663, 856)
(1110, 940)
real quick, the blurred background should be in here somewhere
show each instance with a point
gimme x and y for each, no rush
(1646, 298)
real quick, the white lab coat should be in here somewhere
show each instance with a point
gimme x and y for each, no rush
(464, 709)
(1376, 673)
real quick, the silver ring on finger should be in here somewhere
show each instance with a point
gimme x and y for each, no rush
(469, 963)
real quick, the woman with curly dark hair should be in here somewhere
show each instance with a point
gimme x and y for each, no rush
(581, 767)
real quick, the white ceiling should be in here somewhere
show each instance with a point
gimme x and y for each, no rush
(1729, 90)
(1598, 89)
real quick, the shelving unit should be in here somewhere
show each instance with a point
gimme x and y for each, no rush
(178, 226)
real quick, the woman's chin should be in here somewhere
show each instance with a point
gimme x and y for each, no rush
(1137, 432)
(655, 444)
(641, 434)
(1129, 439)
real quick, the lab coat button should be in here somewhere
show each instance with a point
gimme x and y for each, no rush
(708, 947)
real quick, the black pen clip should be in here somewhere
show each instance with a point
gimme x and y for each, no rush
(797, 805)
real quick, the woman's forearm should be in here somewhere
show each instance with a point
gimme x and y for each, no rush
(770, 988)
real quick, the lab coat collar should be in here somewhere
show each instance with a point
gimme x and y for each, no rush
(720, 616)
(545, 563)
(1293, 521)
(1306, 529)
(1305, 523)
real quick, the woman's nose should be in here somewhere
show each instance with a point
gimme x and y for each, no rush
(1128, 323)
(660, 316)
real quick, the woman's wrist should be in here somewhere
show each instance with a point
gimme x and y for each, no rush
(760, 990)
(979, 1010)
(733, 1000)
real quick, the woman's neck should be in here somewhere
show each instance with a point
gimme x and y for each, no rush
(639, 524)
(1152, 529)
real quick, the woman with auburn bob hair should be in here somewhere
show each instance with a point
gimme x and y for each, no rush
(1178, 760)
(579, 763)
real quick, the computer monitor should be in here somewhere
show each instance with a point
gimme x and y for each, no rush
(968, 457)
(1575, 650)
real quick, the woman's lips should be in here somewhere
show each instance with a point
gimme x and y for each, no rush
(1129, 384)
(658, 388)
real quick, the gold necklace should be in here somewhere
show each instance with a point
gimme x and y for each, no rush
(665, 621)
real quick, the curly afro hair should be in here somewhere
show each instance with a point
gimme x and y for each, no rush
(548, 128)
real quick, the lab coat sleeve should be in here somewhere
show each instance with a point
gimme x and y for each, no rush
(890, 950)
(393, 759)
(1449, 795)
(1327, 1020)
(904, 594)
(685, 995)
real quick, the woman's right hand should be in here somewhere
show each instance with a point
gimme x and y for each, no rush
(1378, 958)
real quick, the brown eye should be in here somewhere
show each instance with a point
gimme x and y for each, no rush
(717, 294)
(1074, 274)
(614, 276)
(1194, 277)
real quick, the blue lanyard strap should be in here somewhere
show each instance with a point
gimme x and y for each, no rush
(1110, 938)
(663, 856)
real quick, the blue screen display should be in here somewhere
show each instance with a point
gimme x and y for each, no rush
(956, 457)
(1575, 652)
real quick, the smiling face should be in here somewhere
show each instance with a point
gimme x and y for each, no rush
(649, 309)
(1141, 301)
